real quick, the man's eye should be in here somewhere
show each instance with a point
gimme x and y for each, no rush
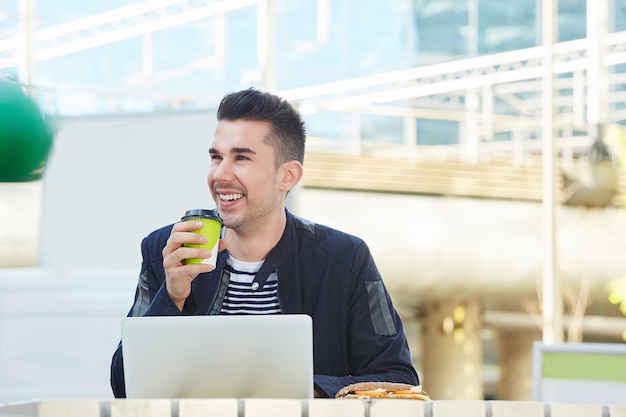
(215, 157)
(242, 158)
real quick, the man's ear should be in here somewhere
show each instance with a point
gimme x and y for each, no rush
(290, 174)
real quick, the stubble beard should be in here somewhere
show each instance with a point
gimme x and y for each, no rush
(249, 222)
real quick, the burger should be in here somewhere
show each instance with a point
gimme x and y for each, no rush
(376, 390)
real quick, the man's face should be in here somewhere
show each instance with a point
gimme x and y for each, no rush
(243, 178)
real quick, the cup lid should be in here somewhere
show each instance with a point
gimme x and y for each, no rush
(203, 214)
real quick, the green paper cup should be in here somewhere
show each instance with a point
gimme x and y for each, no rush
(211, 229)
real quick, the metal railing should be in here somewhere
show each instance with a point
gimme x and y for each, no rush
(116, 25)
(492, 98)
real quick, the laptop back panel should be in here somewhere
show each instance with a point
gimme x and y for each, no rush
(247, 356)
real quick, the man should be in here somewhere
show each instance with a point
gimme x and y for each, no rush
(302, 267)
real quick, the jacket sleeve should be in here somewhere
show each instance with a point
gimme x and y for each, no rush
(151, 298)
(377, 345)
(400, 369)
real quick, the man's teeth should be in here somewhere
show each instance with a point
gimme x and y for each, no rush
(230, 197)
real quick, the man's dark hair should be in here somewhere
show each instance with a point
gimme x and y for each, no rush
(287, 132)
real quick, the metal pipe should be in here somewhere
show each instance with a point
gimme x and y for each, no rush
(552, 303)
(266, 43)
(26, 45)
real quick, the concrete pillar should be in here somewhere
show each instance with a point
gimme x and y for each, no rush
(452, 350)
(516, 363)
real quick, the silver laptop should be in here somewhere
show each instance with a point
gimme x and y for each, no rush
(247, 356)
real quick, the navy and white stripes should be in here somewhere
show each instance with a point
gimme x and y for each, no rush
(243, 295)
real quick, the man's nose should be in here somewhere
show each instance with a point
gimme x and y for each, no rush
(222, 171)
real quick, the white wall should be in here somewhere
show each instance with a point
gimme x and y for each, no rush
(110, 181)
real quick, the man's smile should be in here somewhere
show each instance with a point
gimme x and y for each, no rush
(230, 197)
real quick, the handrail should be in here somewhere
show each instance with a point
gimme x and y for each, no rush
(512, 66)
(117, 25)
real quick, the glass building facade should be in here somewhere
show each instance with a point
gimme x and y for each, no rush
(191, 62)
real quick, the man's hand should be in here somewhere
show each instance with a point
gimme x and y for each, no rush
(178, 275)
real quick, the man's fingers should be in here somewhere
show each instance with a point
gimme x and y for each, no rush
(187, 226)
(179, 238)
(178, 274)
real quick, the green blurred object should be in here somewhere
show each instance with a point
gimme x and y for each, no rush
(25, 137)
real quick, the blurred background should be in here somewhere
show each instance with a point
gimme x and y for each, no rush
(476, 145)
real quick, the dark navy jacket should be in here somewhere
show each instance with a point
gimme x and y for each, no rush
(329, 275)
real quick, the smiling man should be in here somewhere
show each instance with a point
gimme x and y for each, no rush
(271, 261)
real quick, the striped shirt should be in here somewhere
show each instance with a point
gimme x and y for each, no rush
(243, 295)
